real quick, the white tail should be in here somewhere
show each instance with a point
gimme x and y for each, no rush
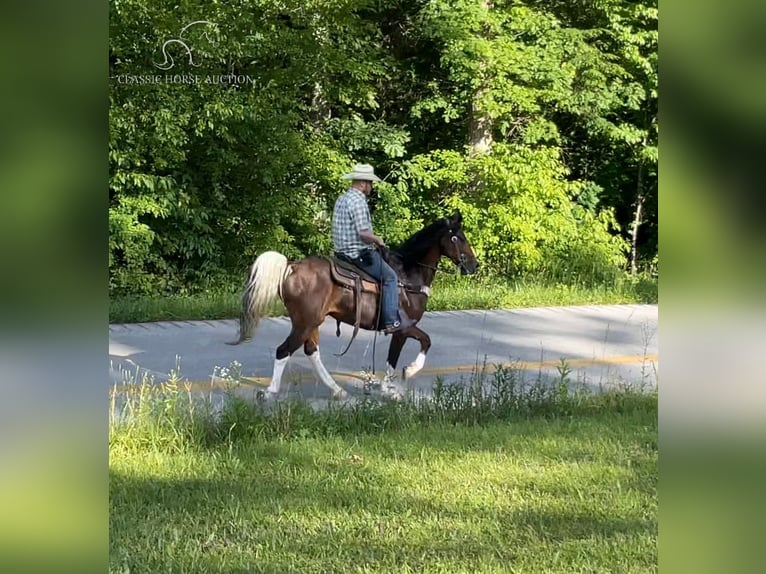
(267, 274)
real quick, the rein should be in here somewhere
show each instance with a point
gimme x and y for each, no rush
(448, 271)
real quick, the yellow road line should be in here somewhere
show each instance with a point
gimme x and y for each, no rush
(547, 364)
(258, 382)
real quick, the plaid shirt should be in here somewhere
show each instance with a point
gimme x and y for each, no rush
(350, 216)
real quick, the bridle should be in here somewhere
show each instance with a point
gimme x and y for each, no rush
(460, 255)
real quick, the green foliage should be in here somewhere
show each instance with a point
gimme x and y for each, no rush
(523, 217)
(497, 471)
(206, 175)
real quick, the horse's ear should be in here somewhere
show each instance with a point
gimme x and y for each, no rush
(457, 217)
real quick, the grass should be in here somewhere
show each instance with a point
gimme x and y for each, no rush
(450, 292)
(456, 292)
(495, 477)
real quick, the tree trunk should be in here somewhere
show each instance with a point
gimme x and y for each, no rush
(479, 127)
(637, 220)
(638, 213)
(638, 216)
(320, 108)
(320, 111)
(479, 122)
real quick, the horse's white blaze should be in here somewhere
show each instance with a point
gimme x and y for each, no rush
(276, 377)
(325, 376)
(414, 367)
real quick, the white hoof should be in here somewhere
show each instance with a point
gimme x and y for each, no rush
(340, 395)
(414, 367)
(411, 371)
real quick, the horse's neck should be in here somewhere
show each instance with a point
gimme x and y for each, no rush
(427, 268)
(422, 273)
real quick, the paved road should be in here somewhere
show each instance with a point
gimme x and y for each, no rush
(601, 344)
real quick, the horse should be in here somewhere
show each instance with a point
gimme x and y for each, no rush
(310, 291)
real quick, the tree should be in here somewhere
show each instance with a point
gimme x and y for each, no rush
(537, 118)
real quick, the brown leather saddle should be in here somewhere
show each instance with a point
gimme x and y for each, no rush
(346, 274)
(349, 276)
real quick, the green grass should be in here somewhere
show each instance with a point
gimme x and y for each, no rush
(507, 479)
(450, 292)
(456, 292)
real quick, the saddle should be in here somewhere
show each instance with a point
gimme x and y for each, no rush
(346, 274)
(351, 277)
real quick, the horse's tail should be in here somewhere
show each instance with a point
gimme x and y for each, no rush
(263, 286)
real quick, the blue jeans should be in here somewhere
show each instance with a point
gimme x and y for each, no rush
(375, 266)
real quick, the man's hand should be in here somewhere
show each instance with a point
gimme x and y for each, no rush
(369, 237)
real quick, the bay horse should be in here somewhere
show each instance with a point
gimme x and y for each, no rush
(310, 293)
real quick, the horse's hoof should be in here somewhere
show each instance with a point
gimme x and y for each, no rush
(410, 372)
(391, 392)
(265, 395)
(340, 395)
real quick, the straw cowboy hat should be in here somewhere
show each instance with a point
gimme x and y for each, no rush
(362, 171)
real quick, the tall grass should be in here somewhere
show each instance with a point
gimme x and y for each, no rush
(170, 414)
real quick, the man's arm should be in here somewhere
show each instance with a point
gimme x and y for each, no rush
(360, 215)
(369, 237)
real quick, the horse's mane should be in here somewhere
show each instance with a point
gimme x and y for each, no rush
(414, 250)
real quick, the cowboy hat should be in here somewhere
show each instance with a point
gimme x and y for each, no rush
(362, 171)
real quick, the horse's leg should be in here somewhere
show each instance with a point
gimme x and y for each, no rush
(311, 348)
(425, 343)
(294, 340)
(394, 350)
(389, 386)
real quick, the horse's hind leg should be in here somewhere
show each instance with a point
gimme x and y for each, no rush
(294, 340)
(311, 348)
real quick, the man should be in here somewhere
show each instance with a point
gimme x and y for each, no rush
(352, 237)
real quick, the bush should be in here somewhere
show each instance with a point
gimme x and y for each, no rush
(520, 213)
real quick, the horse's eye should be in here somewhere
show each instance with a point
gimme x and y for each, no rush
(454, 239)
